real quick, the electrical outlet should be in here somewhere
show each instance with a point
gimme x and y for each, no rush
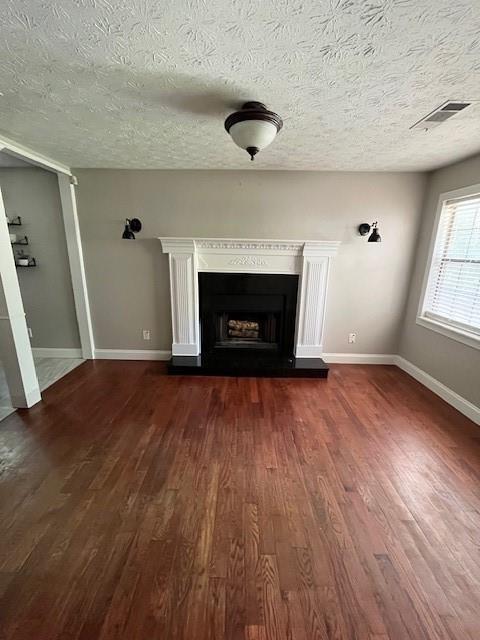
(30, 332)
(352, 337)
(146, 334)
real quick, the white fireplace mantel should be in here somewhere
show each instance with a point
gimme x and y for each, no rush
(309, 259)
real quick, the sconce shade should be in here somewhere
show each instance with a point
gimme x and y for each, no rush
(135, 225)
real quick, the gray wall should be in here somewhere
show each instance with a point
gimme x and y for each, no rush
(451, 362)
(47, 290)
(128, 280)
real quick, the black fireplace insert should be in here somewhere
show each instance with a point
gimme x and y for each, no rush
(248, 312)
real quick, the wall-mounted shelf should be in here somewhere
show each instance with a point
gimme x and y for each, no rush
(23, 241)
(17, 222)
(32, 263)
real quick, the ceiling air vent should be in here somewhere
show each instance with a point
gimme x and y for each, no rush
(444, 112)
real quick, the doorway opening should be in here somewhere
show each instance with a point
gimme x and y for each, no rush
(38, 312)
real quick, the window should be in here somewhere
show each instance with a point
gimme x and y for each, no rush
(451, 300)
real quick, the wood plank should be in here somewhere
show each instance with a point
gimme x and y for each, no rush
(136, 505)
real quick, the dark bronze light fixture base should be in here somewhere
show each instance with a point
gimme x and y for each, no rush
(253, 111)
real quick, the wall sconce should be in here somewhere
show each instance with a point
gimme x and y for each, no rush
(132, 227)
(364, 228)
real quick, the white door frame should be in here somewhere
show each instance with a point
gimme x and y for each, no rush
(72, 234)
(15, 349)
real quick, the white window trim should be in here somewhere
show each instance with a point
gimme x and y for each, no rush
(466, 337)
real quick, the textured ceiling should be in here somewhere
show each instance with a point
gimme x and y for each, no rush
(143, 84)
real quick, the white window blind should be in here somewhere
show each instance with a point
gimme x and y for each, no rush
(453, 292)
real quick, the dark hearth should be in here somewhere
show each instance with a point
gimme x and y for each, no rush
(247, 324)
(255, 364)
(248, 311)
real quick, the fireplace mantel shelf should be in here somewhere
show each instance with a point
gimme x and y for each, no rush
(310, 259)
(248, 245)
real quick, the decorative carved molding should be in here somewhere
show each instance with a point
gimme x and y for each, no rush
(248, 261)
(247, 245)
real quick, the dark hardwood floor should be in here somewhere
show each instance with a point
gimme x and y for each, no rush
(140, 506)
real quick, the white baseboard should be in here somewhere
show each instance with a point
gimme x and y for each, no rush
(359, 358)
(132, 354)
(47, 352)
(461, 404)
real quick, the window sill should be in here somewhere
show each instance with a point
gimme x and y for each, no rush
(450, 332)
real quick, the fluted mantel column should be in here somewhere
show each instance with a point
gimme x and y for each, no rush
(182, 259)
(311, 303)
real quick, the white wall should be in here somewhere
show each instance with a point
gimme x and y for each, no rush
(128, 280)
(454, 364)
(46, 290)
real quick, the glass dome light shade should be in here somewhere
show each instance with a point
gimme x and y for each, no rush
(253, 133)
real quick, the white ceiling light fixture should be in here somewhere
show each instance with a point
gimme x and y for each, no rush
(254, 127)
